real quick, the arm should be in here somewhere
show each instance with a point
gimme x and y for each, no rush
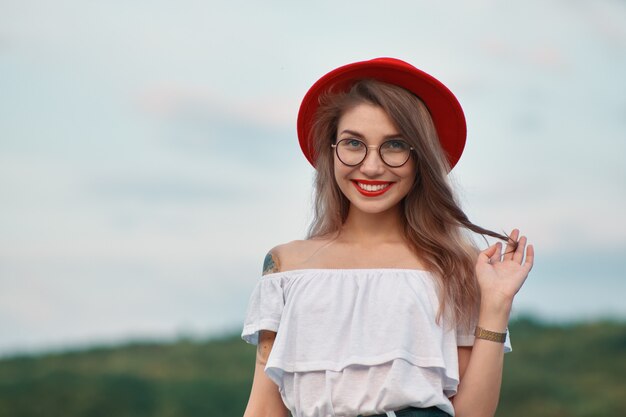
(265, 399)
(480, 367)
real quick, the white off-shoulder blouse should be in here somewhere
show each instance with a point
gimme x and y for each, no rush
(356, 341)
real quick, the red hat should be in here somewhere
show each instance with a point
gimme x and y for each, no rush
(443, 106)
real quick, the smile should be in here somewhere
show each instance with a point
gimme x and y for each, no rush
(372, 188)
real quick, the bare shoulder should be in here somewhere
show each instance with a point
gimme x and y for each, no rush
(291, 255)
(271, 263)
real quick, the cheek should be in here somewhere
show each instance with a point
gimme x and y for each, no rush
(410, 176)
(412, 164)
(339, 170)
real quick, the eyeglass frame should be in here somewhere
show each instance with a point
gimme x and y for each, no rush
(378, 147)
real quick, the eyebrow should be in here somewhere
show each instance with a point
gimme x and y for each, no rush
(355, 133)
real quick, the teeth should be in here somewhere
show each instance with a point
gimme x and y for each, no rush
(369, 187)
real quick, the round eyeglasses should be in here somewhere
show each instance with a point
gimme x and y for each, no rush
(394, 153)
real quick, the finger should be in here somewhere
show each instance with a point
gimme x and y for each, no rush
(485, 256)
(510, 247)
(497, 255)
(518, 256)
(530, 257)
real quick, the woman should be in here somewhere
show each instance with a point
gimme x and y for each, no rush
(387, 308)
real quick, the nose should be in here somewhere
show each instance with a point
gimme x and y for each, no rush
(372, 166)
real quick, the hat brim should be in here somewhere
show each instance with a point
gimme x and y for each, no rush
(444, 108)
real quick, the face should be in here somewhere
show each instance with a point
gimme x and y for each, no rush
(371, 186)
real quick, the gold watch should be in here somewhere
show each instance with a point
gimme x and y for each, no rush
(489, 335)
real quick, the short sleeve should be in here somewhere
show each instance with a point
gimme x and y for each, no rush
(265, 308)
(463, 338)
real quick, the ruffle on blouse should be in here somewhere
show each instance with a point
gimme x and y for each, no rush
(265, 307)
(329, 319)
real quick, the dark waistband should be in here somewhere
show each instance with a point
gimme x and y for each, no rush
(416, 412)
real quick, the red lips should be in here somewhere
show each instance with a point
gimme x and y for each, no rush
(369, 182)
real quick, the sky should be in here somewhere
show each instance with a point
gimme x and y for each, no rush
(149, 157)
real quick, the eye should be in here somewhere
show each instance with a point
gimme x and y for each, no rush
(396, 145)
(352, 144)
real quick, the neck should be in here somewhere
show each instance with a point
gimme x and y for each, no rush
(373, 228)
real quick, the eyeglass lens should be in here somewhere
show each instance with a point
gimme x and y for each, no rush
(394, 153)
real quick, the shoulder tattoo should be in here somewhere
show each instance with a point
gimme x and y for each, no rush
(270, 264)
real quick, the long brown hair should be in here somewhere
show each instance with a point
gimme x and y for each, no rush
(435, 226)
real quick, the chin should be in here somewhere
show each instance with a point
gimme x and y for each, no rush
(373, 210)
(374, 207)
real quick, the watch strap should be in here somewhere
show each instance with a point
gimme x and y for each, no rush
(489, 335)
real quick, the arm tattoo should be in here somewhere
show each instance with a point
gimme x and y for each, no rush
(271, 264)
(266, 342)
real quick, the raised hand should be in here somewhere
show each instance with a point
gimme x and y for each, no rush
(500, 276)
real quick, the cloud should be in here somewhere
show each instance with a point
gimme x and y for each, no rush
(247, 133)
(174, 101)
(165, 190)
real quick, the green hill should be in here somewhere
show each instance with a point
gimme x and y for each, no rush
(575, 371)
